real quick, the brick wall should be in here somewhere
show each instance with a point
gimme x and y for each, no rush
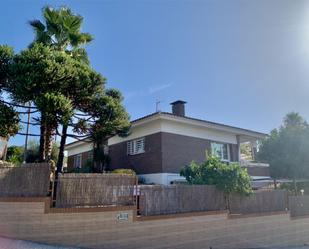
(145, 163)
(164, 153)
(101, 229)
(85, 157)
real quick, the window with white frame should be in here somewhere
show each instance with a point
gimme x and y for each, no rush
(221, 151)
(78, 161)
(136, 146)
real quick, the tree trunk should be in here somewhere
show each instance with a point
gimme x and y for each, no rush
(5, 149)
(48, 141)
(42, 139)
(275, 183)
(295, 186)
(61, 149)
(96, 156)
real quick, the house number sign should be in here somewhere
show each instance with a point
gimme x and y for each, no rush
(122, 216)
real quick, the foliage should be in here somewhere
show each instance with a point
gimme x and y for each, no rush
(124, 171)
(33, 154)
(230, 178)
(110, 115)
(56, 80)
(86, 168)
(289, 186)
(52, 72)
(6, 55)
(9, 121)
(108, 118)
(62, 30)
(287, 149)
(55, 76)
(245, 150)
(15, 154)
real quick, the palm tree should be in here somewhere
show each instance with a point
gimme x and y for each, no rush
(62, 31)
(293, 119)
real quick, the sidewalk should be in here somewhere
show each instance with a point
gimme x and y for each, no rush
(6, 243)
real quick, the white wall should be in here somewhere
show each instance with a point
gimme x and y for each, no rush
(161, 178)
(141, 130)
(79, 148)
(163, 124)
(175, 127)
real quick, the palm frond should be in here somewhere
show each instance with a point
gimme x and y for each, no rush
(86, 37)
(81, 55)
(37, 25)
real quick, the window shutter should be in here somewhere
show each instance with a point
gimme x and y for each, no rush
(136, 146)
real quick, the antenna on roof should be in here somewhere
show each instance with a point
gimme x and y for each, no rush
(157, 105)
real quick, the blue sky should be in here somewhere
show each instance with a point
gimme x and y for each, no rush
(239, 62)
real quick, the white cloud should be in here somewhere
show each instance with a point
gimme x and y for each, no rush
(158, 88)
(151, 90)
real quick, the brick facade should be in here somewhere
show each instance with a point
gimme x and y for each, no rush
(148, 162)
(85, 157)
(164, 153)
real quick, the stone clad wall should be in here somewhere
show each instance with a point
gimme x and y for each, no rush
(32, 219)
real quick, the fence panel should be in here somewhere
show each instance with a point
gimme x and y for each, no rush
(261, 202)
(27, 180)
(75, 190)
(299, 205)
(156, 200)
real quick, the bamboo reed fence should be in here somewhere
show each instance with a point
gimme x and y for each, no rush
(159, 200)
(77, 190)
(299, 205)
(261, 202)
(27, 180)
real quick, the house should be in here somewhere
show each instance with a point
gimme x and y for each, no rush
(160, 144)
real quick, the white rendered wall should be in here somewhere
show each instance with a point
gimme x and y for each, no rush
(174, 127)
(161, 178)
(79, 148)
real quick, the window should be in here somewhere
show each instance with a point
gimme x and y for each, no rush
(78, 161)
(221, 151)
(136, 146)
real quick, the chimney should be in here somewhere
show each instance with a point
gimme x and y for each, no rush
(178, 108)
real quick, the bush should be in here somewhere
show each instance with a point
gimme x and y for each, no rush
(86, 168)
(15, 154)
(124, 171)
(230, 178)
(289, 186)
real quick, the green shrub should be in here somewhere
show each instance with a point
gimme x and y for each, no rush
(230, 178)
(124, 171)
(15, 154)
(289, 186)
(85, 169)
